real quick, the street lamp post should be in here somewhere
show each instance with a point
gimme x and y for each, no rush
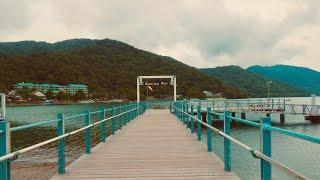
(268, 84)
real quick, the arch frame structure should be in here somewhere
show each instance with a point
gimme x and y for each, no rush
(173, 82)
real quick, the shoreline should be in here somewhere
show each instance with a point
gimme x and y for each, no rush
(50, 104)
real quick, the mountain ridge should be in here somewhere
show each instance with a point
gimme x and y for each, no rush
(299, 77)
(252, 83)
(106, 66)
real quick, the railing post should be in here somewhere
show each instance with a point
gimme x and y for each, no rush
(227, 144)
(125, 116)
(137, 111)
(184, 117)
(61, 144)
(187, 115)
(113, 120)
(198, 123)
(4, 148)
(129, 113)
(178, 112)
(266, 149)
(87, 133)
(209, 131)
(173, 108)
(103, 125)
(192, 119)
(181, 113)
(120, 118)
(132, 113)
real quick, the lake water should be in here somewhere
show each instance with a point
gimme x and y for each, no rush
(297, 154)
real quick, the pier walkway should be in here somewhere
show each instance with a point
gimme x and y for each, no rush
(154, 146)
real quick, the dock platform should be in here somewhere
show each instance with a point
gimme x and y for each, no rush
(154, 146)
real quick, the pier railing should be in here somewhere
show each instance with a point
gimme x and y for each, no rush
(118, 117)
(195, 124)
(273, 105)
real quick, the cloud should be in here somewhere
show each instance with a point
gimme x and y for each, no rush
(204, 33)
(13, 16)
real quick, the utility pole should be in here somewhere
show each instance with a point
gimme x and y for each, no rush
(268, 84)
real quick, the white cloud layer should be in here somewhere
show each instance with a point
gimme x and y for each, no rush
(203, 33)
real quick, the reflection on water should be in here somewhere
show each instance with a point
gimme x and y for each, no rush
(298, 154)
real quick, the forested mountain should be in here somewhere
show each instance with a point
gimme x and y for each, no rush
(252, 83)
(300, 77)
(34, 47)
(106, 66)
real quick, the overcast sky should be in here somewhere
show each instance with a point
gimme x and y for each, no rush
(201, 33)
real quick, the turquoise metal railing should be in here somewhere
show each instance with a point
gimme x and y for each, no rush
(178, 108)
(123, 114)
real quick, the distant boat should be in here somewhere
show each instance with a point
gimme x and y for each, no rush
(84, 102)
(87, 101)
(48, 102)
(115, 100)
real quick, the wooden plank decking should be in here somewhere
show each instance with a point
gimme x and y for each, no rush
(155, 146)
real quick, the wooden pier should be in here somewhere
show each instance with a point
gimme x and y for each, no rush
(155, 146)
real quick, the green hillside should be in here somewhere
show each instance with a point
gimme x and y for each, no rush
(299, 77)
(106, 66)
(34, 47)
(252, 83)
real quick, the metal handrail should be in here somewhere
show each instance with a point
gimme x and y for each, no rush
(32, 125)
(305, 137)
(24, 150)
(18, 128)
(254, 152)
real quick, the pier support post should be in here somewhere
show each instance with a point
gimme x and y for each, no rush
(4, 148)
(243, 115)
(192, 119)
(103, 125)
(233, 114)
(87, 133)
(198, 123)
(282, 118)
(112, 121)
(266, 149)
(227, 144)
(209, 131)
(61, 144)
